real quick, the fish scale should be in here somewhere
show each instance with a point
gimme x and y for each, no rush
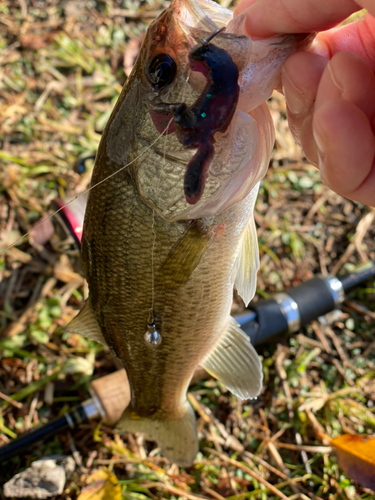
(141, 234)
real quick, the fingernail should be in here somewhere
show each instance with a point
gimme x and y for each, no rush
(334, 80)
(295, 98)
(321, 142)
(321, 48)
(242, 6)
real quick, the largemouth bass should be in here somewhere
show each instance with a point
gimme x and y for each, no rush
(169, 225)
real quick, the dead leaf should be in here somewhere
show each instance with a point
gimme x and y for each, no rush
(42, 232)
(356, 457)
(104, 487)
(63, 272)
(131, 53)
(17, 255)
(35, 42)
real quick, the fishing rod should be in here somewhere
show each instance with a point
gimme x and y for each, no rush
(263, 321)
(289, 311)
(285, 312)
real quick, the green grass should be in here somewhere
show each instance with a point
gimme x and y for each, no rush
(54, 103)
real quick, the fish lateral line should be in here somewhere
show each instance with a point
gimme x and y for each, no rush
(47, 218)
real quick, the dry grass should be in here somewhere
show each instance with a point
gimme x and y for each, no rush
(61, 65)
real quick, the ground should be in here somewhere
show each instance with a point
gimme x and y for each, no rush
(62, 65)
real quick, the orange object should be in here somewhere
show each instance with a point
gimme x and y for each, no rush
(356, 457)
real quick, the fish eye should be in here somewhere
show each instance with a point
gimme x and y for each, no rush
(161, 71)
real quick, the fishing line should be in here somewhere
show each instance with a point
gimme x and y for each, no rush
(84, 192)
(154, 232)
(152, 336)
(151, 318)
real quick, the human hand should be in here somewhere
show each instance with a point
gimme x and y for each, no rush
(329, 91)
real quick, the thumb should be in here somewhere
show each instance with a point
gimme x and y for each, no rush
(267, 17)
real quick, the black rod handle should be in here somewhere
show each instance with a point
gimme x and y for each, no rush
(287, 312)
(361, 274)
(23, 443)
(43, 432)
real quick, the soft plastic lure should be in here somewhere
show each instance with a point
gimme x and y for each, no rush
(211, 113)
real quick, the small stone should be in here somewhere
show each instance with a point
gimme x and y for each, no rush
(45, 478)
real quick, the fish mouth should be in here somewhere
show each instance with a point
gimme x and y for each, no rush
(212, 112)
(162, 115)
(200, 21)
(197, 117)
(198, 183)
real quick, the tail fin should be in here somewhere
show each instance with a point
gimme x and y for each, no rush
(176, 437)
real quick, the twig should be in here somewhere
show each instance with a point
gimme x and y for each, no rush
(304, 447)
(288, 395)
(341, 351)
(321, 336)
(249, 471)
(174, 491)
(295, 447)
(198, 408)
(359, 309)
(212, 493)
(250, 456)
(362, 228)
(19, 325)
(319, 202)
(10, 400)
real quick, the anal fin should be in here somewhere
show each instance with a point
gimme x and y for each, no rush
(235, 363)
(86, 324)
(177, 437)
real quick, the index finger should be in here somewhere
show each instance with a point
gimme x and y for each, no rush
(358, 37)
(268, 17)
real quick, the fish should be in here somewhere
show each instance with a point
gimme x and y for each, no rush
(169, 225)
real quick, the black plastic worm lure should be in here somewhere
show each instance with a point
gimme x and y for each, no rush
(212, 112)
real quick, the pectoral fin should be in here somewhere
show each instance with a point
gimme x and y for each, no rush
(235, 363)
(247, 263)
(183, 258)
(86, 324)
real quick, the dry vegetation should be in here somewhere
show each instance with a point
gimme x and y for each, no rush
(61, 69)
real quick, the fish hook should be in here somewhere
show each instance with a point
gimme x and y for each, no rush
(206, 41)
